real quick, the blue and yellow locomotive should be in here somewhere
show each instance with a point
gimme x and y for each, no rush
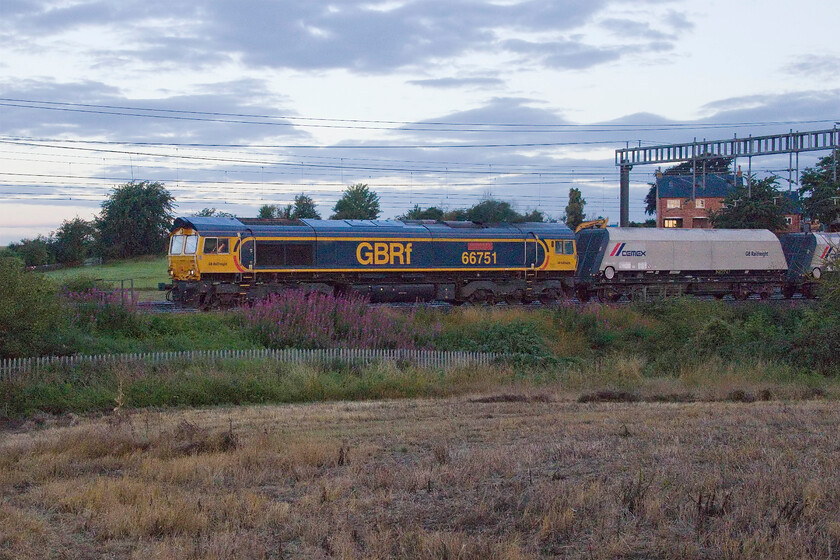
(220, 262)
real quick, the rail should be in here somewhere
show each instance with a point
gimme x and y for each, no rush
(13, 367)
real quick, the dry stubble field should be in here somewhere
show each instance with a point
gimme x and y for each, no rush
(513, 476)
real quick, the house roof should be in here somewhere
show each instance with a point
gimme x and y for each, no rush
(679, 186)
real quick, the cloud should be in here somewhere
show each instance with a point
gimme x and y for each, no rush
(814, 66)
(445, 83)
(628, 27)
(353, 35)
(565, 54)
(96, 110)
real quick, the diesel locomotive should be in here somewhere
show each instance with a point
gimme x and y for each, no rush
(222, 262)
(226, 261)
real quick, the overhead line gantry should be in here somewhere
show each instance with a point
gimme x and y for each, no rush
(752, 146)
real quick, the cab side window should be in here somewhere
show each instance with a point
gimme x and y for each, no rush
(210, 245)
(215, 246)
(566, 247)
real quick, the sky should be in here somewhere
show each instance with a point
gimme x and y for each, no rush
(233, 105)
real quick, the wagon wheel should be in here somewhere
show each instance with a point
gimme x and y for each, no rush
(788, 291)
(741, 295)
(764, 295)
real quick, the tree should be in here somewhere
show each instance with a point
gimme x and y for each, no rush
(269, 211)
(135, 220)
(304, 208)
(417, 213)
(212, 213)
(34, 252)
(821, 191)
(717, 165)
(491, 211)
(574, 210)
(74, 240)
(357, 203)
(756, 206)
(29, 311)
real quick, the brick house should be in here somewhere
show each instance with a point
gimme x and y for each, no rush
(676, 209)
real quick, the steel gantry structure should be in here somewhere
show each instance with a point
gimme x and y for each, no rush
(791, 143)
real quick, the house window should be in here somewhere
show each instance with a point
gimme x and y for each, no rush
(700, 203)
(672, 203)
(673, 222)
(789, 220)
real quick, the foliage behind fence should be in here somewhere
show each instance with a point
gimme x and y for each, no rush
(12, 368)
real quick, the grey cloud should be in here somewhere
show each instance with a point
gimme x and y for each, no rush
(444, 83)
(564, 54)
(314, 35)
(679, 21)
(168, 122)
(820, 66)
(627, 27)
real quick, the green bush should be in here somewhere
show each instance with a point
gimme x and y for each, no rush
(516, 337)
(30, 314)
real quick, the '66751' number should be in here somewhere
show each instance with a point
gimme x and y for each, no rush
(478, 257)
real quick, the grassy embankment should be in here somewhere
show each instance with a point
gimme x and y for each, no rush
(677, 351)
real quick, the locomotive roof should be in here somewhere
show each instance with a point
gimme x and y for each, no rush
(233, 226)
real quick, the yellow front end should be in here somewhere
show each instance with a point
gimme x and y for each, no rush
(183, 249)
(562, 255)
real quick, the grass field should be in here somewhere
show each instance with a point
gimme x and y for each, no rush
(520, 474)
(146, 272)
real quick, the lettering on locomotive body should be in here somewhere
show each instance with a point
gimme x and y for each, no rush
(620, 251)
(380, 253)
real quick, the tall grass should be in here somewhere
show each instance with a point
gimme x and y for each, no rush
(296, 319)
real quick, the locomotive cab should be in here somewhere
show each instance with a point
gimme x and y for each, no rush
(561, 254)
(183, 249)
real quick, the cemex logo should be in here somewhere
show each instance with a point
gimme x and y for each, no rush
(827, 252)
(618, 251)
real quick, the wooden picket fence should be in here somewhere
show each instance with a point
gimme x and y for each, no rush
(11, 368)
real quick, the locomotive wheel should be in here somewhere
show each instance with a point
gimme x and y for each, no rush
(482, 297)
(741, 295)
(549, 297)
(514, 297)
(764, 295)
